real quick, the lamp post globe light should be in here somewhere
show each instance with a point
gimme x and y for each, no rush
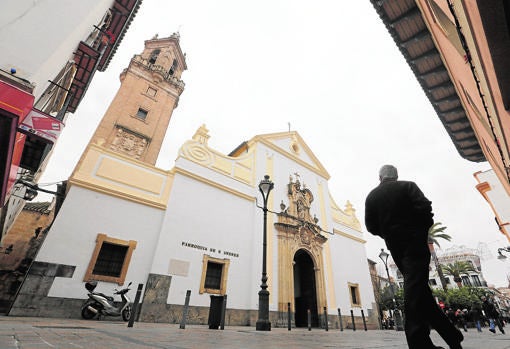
(263, 323)
(398, 320)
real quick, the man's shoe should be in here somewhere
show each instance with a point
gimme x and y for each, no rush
(503, 331)
(492, 330)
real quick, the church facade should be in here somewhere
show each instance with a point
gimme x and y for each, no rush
(197, 229)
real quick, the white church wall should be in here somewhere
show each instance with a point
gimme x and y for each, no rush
(222, 179)
(221, 223)
(72, 238)
(211, 212)
(349, 261)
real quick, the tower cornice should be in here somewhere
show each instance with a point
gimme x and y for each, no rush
(158, 72)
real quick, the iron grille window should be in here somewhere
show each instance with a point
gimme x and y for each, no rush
(213, 275)
(432, 282)
(476, 280)
(110, 260)
(466, 281)
(354, 295)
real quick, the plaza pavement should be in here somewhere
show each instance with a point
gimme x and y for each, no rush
(39, 333)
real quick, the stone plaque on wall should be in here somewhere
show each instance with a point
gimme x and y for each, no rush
(177, 267)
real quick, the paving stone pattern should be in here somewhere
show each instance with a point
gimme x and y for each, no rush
(39, 333)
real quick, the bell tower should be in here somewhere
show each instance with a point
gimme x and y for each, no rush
(136, 121)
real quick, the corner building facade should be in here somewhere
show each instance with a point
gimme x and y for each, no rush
(198, 227)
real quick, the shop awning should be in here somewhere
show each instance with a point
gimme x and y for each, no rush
(15, 104)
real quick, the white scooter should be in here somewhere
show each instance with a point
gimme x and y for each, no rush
(102, 305)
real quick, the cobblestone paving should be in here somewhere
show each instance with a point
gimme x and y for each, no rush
(39, 333)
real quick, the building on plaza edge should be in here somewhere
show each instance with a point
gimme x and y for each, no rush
(449, 256)
(51, 51)
(198, 226)
(458, 50)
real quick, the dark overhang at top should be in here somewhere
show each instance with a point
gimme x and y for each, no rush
(96, 55)
(495, 15)
(403, 20)
(123, 12)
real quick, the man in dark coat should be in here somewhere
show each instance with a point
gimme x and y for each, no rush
(492, 314)
(398, 212)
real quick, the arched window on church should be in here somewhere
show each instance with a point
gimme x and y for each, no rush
(171, 72)
(154, 56)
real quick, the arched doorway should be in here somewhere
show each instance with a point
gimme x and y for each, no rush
(305, 296)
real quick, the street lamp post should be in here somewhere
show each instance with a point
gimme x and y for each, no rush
(501, 256)
(263, 323)
(398, 323)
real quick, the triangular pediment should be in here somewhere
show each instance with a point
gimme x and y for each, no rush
(291, 145)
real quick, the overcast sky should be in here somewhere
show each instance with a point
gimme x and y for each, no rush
(331, 70)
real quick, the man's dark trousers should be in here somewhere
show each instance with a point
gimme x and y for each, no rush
(412, 257)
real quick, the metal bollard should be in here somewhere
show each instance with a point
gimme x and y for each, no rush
(326, 325)
(223, 310)
(288, 316)
(353, 323)
(185, 310)
(309, 316)
(364, 321)
(135, 305)
(340, 320)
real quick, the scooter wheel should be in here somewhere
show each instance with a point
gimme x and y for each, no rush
(127, 313)
(86, 313)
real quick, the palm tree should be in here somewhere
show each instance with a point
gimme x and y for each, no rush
(458, 268)
(436, 232)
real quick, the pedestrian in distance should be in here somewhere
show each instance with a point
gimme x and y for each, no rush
(460, 319)
(492, 314)
(399, 212)
(475, 313)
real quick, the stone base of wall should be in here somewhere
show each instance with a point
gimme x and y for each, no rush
(33, 300)
(169, 313)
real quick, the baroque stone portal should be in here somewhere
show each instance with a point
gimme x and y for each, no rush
(298, 231)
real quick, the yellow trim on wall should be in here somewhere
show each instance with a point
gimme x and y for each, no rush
(355, 238)
(117, 175)
(351, 285)
(327, 247)
(240, 168)
(212, 184)
(101, 238)
(318, 170)
(225, 262)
